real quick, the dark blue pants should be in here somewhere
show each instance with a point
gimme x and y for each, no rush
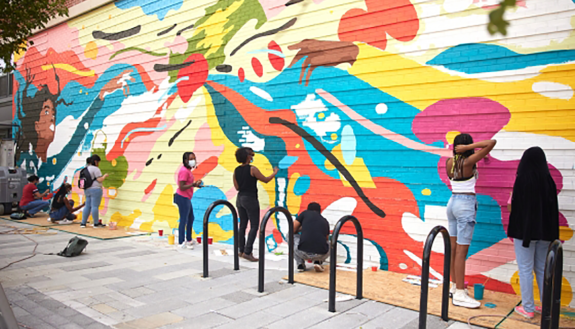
(186, 218)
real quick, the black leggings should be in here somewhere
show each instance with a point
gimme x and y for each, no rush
(249, 210)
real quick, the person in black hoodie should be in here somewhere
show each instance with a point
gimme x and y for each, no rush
(533, 223)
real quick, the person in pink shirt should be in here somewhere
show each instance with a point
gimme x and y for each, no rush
(183, 198)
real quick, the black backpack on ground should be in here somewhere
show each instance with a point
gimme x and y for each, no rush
(74, 248)
(85, 180)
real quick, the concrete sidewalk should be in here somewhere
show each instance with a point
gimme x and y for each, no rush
(141, 282)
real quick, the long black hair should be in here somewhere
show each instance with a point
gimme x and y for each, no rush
(534, 205)
(459, 159)
(61, 193)
(185, 159)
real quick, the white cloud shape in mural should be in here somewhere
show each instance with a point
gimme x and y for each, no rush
(553, 90)
(455, 6)
(261, 93)
(308, 111)
(339, 208)
(418, 229)
(185, 110)
(248, 139)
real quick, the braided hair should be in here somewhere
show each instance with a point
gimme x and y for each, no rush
(459, 159)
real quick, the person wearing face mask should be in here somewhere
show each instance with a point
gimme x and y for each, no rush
(93, 194)
(62, 210)
(246, 177)
(183, 198)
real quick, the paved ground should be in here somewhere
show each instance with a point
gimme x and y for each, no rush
(140, 283)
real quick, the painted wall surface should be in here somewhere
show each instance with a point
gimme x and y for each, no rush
(356, 102)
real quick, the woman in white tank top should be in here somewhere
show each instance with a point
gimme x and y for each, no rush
(462, 209)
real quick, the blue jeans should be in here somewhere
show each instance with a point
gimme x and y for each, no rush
(186, 218)
(529, 260)
(63, 212)
(461, 212)
(35, 206)
(93, 199)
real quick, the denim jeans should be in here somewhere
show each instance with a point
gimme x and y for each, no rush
(529, 260)
(93, 199)
(301, 256)
(186, 218)
(35, 206)
(249, 211)
(63, 212)
(461, 212)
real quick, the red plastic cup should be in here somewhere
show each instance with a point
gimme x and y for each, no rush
(199, 239)
(374, 268)
(161, 232)
(210, 240)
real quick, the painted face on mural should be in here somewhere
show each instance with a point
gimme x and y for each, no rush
(45, 125)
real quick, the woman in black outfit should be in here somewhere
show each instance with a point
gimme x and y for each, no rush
(245, 181)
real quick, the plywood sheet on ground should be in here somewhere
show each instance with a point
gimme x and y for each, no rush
(388, 287)
(101, 233)
(40, 219)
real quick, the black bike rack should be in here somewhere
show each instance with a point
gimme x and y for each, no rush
(206, 235)
(552, 286)
(333, 259)
(425, 275)
(262, 245)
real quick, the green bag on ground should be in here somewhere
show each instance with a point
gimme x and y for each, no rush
(74, 248)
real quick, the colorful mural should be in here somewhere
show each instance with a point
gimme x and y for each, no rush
(357, 103)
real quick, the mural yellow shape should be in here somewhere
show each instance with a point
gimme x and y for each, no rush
(214, 28)
(91, 50)
(164, 210)
(426, 192)
(293, 201)
(126, 221)
(68, 68)
(566, 291)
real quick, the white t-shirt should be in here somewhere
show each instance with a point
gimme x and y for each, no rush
(95, 173)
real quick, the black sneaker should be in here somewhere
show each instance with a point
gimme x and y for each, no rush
(99, 225)
(83, 225)
(301, 267)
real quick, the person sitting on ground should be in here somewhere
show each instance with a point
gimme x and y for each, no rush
(312, 244)
(31, 202)
(62, 211)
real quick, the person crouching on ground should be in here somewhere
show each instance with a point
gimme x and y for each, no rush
(31, 202)
(313, 242)
(62, 210)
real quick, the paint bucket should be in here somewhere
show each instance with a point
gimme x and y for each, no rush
(161, 232)
(199, 239)
(478, 290)
(210, 240)
(171, 239)
(374, 268)
(112, 225)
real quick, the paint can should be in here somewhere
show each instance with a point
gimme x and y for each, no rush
(210, 240)
(161, 232)
(199, 239)
(171, 239)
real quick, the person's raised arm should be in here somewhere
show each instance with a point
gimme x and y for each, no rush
(69, 206)
(102, 178)
(39, 195)
(484, 146)
(259, 176)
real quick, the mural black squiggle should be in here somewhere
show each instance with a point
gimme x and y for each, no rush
(178, 133)
(287, 25)
(332, 159)
(171, 67)
(224, 68)
(159, 156)
(167, 30)
(185, 29)
(149, 162)
(293, 2)
(118, 35)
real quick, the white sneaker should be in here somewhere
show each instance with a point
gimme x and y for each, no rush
(460, 298)
(452, 290)
(65, 222)
(189, 244)
(183, 245)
